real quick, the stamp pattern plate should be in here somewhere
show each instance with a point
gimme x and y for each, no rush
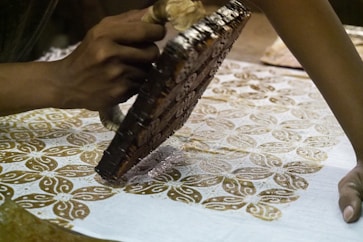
(176, 82)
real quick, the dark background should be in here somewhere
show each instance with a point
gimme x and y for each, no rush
(72, 18)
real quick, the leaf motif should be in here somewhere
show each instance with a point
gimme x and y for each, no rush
(6, 192)
(232, 113)
(312, 154)
(40, 126)
(172, 175)
(246, 75)
(93, 193)
(205, 109)
(35, 200)
(33, 145)
(264, 212)
(95, 127)
(71, 210)
(321, 141)
(252, 173)
(238, 187)
(329, 130)
(55, 185)
(19, 177)
(220, 124)
(278, 196)
(68, 123)
(224, 203)
(253, 129)
(243, 105)
(75, 170)
(261, 87)
(7, 145)
(184, 194)
(91, 157)
(214, 166)
(277, 147)
(81, 139)
(54, 115)
(42, 163)
(11, 157)
(62, 151)
(286, 135)
(146, 188)
(296, 124)
(253, 95)
(242, 141)
(291, 181)
(84, 113)
(21, 135)
(201, 180)
(265, 160)
(282, 100)
(263, 119)
(305, 114)
(273, 109)
(302, 167)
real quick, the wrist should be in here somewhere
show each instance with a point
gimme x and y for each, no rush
(26, 86)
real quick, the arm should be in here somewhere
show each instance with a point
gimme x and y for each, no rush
(26, 86)
(105, 69)
(316, 37)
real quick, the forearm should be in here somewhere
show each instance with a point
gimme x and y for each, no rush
(316, 37)
(26, 86)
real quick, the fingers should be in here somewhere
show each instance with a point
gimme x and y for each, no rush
(133, 54)
(127, 30)
(127, 83)
(110, 64)
(132, 15)
(350, 195)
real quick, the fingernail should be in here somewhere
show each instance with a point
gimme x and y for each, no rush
(348, 213)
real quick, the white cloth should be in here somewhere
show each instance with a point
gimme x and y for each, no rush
(258, 160)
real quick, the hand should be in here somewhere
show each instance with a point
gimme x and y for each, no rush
(351, 193)
(110, 64)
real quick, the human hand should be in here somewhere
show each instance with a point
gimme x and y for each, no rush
(351, 193)
(110, 64)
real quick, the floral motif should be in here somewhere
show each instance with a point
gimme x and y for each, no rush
(178, 188)
(250, 146)
(244, 194)
(36, 151)
(285, 175)
(5, 191)
(68, 203)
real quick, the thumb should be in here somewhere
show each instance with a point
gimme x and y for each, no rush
(350, 194)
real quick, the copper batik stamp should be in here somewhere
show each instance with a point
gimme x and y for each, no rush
(176, 82)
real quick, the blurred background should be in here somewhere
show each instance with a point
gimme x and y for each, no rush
(72, 18)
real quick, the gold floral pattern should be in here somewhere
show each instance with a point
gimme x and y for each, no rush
(250, 146)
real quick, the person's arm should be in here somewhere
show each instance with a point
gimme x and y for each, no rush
(104, 70)
(314, 34)
(26, 86)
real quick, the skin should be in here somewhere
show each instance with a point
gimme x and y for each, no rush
(109, 66)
